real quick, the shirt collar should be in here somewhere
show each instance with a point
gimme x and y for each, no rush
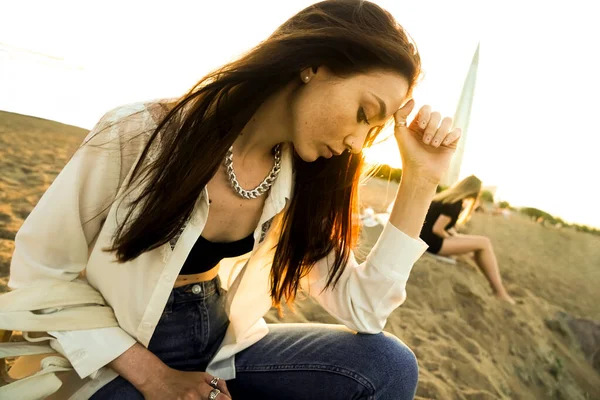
(282, 188)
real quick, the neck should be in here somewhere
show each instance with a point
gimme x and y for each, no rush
(269, 126)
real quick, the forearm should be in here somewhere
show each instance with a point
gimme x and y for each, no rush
(412, 202)
(138, 365)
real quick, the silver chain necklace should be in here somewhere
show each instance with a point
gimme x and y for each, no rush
(260, 189)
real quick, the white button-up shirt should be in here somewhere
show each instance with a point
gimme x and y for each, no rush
(61, 239)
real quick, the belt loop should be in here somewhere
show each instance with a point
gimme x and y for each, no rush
(217, 282)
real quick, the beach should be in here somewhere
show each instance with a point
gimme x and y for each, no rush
(469, 345)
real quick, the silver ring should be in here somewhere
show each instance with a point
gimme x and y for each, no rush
(213, 394)
(400, 123)
(214, 382)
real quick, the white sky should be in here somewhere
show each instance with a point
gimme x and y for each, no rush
(533, 131)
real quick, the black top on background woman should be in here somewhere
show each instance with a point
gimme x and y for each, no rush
(454, 206)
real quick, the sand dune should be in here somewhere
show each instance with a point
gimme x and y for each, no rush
(32, 153)
(469, 345)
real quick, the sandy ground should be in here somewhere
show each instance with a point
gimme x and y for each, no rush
(32, 153)
(469, 345)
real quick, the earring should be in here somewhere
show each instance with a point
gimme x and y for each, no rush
(306, 78)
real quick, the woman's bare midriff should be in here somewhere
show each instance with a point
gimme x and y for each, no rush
(183, 280)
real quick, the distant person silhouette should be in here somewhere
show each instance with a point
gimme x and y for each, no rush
(452, 206)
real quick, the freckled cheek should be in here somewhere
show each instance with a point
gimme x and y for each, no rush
(340, 125)
(326, 124)
(312, 126)
(329, 131)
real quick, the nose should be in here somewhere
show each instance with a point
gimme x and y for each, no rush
(355, 143)
(352, 145)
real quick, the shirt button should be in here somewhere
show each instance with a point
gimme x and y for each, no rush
(146, 325)
(196, 289)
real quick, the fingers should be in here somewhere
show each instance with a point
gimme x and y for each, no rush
(402, 114)
(442, 132)
(212, 393)
(220, 384)
(423, 116)
(435, 130)
(432, 127)
(203, 392)
(452, 138)
(422, 119)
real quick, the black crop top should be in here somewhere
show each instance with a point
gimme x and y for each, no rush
(205, 255)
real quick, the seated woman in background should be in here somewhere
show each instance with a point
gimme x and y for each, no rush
(453, 206)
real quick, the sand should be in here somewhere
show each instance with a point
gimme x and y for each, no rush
(469, 345)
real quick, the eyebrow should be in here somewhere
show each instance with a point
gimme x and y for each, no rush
(382, 107)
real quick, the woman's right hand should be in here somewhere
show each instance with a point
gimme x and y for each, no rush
(172, 384)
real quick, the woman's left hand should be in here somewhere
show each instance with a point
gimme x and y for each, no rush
(426, 144)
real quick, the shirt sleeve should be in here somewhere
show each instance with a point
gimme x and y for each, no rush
(54, 240)
(367, 293)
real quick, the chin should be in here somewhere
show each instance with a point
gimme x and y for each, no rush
(307, 156)
(310, 159)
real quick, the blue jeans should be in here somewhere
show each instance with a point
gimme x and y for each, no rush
(294, 361)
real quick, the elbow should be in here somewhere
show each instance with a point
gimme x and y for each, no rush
(373, 320)
(365, 321)
(371, 327)
(441, 234)
(370, 331)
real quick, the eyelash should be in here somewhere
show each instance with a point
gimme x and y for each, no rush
(364, 116)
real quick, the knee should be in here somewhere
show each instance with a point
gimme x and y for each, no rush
(484, 243)
(398, 371)
(401, 358)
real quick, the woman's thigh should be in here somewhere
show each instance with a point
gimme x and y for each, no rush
(188, 334)
(118, 389)
(462, 244)
(319, 361)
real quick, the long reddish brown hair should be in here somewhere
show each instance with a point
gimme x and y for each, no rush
(347, 36)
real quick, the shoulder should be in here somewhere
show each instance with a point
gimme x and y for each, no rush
(129, 125)
(436, 205)
(459, 204)
(138, 116)
(455, 207)
(448, 209)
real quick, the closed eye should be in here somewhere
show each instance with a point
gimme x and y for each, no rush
(362, 116)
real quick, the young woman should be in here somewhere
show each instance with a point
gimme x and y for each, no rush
(193, 217)
(453, 206)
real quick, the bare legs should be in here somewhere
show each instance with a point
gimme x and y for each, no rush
(484, 257)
